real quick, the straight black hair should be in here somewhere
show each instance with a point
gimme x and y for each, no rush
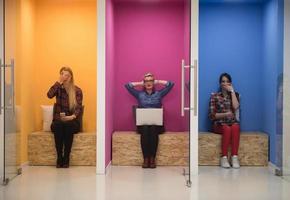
(225, 75)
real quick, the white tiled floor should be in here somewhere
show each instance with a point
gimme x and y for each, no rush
(135, 183)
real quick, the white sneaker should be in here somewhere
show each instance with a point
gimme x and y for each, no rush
(224, 162)
(235, 162)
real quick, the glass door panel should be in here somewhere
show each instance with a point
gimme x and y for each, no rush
(11, 166)
(189, 74)
(1, 92)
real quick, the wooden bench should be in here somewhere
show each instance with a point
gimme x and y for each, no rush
(173, 149)
(41, 149)
(253, 150)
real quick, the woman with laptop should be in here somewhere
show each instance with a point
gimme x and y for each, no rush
(149, 98)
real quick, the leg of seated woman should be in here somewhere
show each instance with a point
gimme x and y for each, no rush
(57, 128)
(235, 139)
(154, 139)
(225, 130)
(70, 129)
(144, 131)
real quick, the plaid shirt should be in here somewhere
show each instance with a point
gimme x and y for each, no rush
(220, 104)
(62, 100)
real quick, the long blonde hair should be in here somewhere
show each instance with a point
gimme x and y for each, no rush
(70, 89)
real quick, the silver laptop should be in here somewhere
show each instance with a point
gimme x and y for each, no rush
(149, 116)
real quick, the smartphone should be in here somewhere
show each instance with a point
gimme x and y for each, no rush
(62, 114)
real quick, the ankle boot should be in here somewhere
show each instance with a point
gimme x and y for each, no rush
(145, 163)
(59, 161)
(152, 163)
(66, 162)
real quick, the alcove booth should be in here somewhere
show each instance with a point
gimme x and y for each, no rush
(37, 38)
(245, 39)
(137, 37)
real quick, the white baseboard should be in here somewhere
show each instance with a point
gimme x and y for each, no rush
(101, 171)
(104, 171)
(108, 167)
(24, 165)
(273, 168)
(286, 171)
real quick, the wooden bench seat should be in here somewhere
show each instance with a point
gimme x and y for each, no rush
(41, 149)
(253, 150)
(173, 149)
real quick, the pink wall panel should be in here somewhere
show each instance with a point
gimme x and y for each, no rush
(148, 38)
(110, 78)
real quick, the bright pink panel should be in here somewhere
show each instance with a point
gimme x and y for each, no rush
(148, 38)
(110, 77)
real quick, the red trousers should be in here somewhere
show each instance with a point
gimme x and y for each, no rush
(230, 135)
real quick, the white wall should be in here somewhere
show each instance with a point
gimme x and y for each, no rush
(1, 96)
(286, 90)
(101, 87)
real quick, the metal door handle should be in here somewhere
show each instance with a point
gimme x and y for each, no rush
(13, 84)
(182, 88)
(0, 86)
(195, 87)
(183, 67)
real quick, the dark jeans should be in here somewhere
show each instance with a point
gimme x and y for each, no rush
(63, 137)
(149, 139)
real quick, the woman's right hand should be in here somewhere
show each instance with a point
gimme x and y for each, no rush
(230, 87)
(140, 83)
(61, 79)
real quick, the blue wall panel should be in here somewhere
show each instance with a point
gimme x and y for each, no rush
(246, 40)
(230, 40)
(273, 69)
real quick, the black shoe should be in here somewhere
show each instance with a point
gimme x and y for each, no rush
(65, 166)
(152, 163)
(59, 162)
(65, 163)
(145, 163)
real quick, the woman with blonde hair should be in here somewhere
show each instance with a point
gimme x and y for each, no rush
(149, 98)
(67, 111)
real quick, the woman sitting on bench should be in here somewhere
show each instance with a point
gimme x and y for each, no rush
(149, 98)
(223, 106)
(67, 111)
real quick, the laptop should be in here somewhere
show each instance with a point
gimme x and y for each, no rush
(149, 116)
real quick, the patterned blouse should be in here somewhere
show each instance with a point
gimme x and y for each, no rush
(62, 100)
(221, 104)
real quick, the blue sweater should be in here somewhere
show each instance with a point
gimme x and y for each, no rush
(152, 100)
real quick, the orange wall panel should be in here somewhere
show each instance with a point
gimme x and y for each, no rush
(24, 73)
(50, 34)
(65, 34)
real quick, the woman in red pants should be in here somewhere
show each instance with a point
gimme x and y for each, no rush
(222, 111)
